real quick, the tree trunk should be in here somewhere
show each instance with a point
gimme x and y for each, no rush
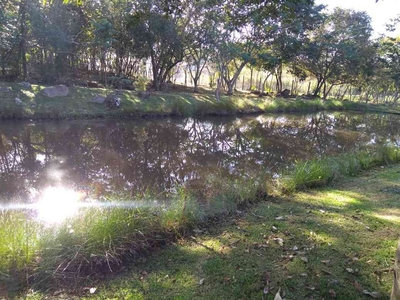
(265, 81)
(395, 295)
(251, 78)
(22, 45)
(195, 85)
(103, 67)
(230, 85)
(218, 89)
(93, 61)
(278, 75)
(3, 65)
(320, 83)
(185, 77)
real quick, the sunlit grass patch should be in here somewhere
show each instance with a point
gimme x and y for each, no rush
(391, 215)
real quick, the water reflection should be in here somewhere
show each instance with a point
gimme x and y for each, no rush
(130, 157)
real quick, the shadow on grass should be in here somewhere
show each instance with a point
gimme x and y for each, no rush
(333, 240)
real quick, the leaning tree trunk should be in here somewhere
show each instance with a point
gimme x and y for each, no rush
(231, 85)
(396, 281)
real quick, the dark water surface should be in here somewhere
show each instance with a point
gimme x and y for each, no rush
(130, 157)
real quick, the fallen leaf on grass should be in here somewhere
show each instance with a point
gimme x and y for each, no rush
(279, 241)
(305, 259)
(350, 270)
(233, 243)
(332, 293)
(278, 295)
(326, 261)
(267, 279)
(326, 272)
(358, 286)
(266, 290)
(374, 295)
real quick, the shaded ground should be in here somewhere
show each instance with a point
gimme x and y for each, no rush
(331, 243)
(178, 101)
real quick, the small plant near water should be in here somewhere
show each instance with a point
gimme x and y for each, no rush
(320, 172)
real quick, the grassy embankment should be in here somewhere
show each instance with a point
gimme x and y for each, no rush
(181, 102)
(331, 243)
(99, 241)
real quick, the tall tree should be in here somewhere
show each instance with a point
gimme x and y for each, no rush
(157, 33)
(199, 39)
(251, 26)
(337, 51)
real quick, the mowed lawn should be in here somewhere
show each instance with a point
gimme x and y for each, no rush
(332, 243)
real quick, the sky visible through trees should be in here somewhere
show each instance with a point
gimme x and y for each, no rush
(114, 40)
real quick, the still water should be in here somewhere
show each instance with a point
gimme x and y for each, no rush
(132, 157)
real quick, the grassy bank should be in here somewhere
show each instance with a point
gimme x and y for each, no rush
(98, 241)
(178, 102)
(330, 243)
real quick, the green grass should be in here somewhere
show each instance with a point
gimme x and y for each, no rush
(320, 172)
(180, 102)
(97, 242)
(347, 233)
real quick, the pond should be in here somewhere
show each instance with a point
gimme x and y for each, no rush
(129, 158)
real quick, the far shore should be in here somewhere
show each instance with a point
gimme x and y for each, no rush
(180, 101)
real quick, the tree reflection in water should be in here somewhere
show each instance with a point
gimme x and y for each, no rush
(129, 157)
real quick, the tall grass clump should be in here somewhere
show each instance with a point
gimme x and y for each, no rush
(319, 172)
(19, 244)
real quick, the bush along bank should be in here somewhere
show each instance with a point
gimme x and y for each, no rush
(100, 240)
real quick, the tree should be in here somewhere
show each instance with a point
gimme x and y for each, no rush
(290, 35)
(103, 33)
(200, 38)
(156, 33)
(8, 34)
(389, 59)
(58, 32)
(251, 26)
(338, 51)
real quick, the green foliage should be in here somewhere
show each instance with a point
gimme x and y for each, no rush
(141, 83)
(337, 52)
(151, 31)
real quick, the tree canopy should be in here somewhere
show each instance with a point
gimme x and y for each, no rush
(71, 40)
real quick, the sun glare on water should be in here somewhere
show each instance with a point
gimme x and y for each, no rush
(57, 203)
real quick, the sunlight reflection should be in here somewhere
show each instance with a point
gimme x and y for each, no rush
(58, 203)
